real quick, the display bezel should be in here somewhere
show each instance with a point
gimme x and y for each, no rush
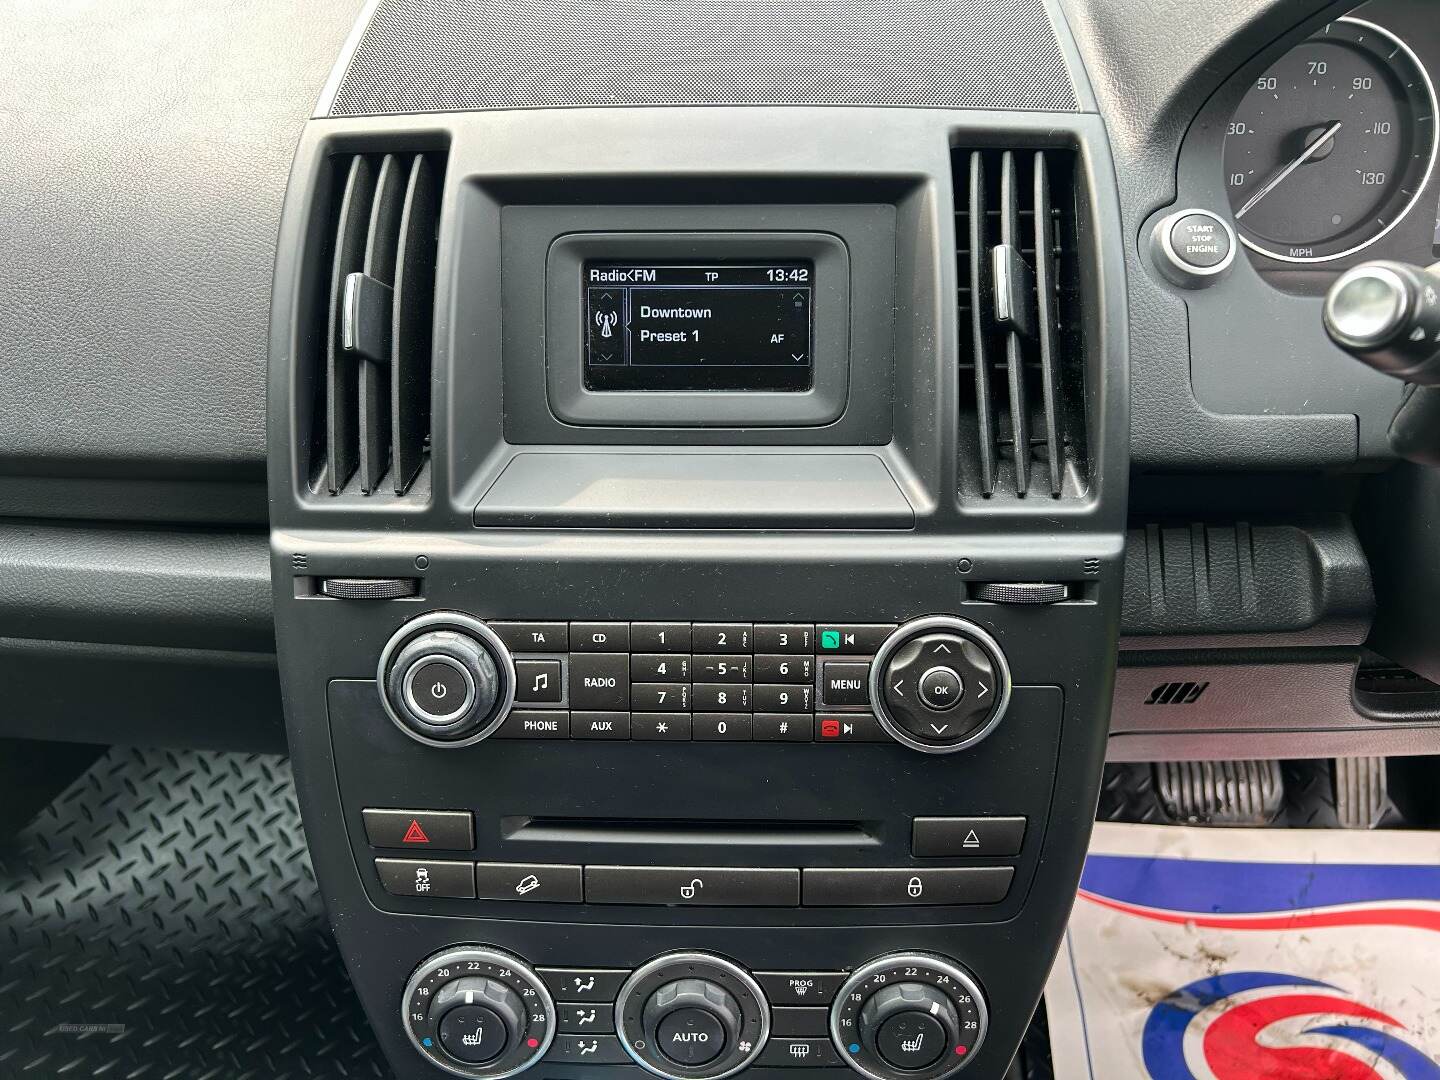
(824, 402)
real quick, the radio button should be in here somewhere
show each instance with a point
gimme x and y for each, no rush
(660, 727)
(724, 667)
(846, 682)
(660, 697)
(780, 727)
(850, 728)
(599, 637)
(600, 725)
(537, 682)
(792, 638)
(535, 724)
(722, 638)
(722, 727)
(721, 697)
(786, 698)
(599, 681)
(523, 637)
(660, 637)
(857, 640)
(660, 667)
(784, 668)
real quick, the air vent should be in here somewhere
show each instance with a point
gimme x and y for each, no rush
(1022, 385)
(372, 428)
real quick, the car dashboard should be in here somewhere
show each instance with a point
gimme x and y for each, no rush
(700, 494)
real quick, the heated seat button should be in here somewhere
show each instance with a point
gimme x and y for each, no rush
(600, 682)
(845, 682)
(533, 883)
(439, 830)
(537, 682)
(415, 877)
(910, 1040)
(472, 1034)
(975, 837)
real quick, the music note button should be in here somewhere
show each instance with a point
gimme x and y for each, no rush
(537, 682)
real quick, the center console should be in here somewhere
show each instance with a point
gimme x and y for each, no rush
(696, 537)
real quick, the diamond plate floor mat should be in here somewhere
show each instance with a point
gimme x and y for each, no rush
(161, 920)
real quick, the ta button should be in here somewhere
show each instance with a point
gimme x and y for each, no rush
(941, 688)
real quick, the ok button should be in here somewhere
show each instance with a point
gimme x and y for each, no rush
(941, 688)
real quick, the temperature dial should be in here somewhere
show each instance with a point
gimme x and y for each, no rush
(908, 1017)
(478, 1012)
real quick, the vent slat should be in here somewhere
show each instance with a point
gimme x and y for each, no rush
(1046, 325)
(1014, 356)
(984, 413)
(374, 375)
(341, 376)
(414, 316)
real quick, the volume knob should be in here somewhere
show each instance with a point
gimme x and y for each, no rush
(446, 679)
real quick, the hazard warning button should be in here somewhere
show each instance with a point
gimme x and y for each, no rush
(420, 830)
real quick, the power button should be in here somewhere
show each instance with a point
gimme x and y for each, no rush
(439, 689)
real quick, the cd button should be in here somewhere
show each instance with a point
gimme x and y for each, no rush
(599, 637)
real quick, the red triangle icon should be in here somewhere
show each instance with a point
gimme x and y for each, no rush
(415, 834)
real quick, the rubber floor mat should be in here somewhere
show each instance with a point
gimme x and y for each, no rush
(161, 920)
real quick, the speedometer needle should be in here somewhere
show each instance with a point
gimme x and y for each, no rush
(1279, 178)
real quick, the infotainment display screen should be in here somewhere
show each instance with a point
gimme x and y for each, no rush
(714, 326)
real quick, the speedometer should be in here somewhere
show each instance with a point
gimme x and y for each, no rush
(1331, 146)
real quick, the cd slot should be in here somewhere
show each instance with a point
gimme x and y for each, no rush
(650, 832)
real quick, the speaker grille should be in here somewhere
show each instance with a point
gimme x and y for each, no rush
(421, 56)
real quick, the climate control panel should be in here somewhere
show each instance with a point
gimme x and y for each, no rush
(480, 1012)
(937, 684)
